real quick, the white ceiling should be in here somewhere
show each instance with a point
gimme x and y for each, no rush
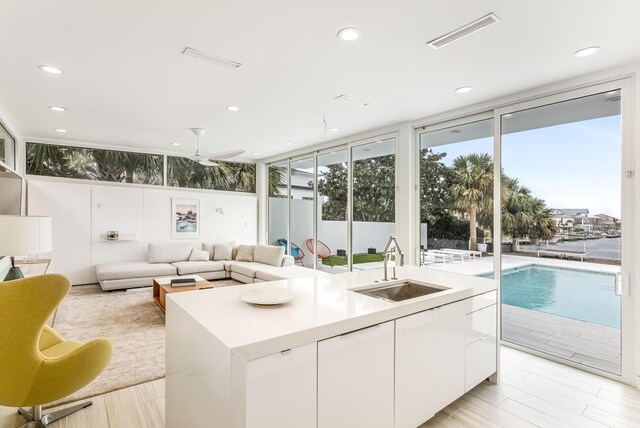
(126, 84)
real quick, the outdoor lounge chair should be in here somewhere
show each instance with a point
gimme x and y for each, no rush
(434, 256)
(296, 252)
(324, 252)
(450, 256)
(469, 253)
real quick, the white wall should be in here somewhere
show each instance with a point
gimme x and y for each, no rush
(82, 212)
(69, 205)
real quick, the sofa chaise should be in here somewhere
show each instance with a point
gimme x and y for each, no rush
(244, 263)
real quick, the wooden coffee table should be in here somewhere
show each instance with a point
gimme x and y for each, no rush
(162, 286)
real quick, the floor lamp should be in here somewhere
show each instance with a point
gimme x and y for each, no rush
(21, 236)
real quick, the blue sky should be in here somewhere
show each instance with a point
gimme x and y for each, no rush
(575, 165)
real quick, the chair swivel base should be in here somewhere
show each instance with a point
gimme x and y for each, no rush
(36, 419)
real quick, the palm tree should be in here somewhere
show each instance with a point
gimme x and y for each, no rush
(524, 216)
(127, 167)
(472, 187)
(277, 179)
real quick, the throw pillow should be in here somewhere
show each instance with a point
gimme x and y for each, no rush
(199, 255)
(245, 253)
(209, 249)
(269, 254)
(222, 252)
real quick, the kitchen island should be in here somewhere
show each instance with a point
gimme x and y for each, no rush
(331, 357)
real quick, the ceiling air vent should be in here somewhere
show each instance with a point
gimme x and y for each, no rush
(464, 31)
(210, 58)
(350, 100)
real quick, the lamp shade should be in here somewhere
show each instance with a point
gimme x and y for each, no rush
(22, 235)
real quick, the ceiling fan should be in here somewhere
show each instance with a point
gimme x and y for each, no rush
(210, 160)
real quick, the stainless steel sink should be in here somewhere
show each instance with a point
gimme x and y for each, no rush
(399, 292)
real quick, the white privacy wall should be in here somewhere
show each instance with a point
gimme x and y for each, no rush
(332, 233)
(83, 212)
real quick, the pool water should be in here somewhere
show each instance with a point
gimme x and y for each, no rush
(571, 293)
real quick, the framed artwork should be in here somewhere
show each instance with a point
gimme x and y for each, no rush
(186, 218)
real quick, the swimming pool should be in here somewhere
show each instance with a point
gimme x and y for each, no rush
(577, 294)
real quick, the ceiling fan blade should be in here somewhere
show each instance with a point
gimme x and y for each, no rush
(206, 162)
(226, 155)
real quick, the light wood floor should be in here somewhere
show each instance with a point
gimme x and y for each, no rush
(533, 393)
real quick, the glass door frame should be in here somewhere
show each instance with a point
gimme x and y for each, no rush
(628, 360)
(629, 226)
(430, 127)
(314, 155)
(350, 148)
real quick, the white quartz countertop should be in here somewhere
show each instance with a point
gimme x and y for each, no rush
(323, 307)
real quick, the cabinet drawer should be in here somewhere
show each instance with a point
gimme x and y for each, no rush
(480, 361)
(482, 301)
(356, 379)
(429, 363)
(480, 324)
(276, 381)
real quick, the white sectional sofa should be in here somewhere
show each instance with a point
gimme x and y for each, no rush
(256, 263)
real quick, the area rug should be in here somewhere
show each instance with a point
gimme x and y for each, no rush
(131, 320)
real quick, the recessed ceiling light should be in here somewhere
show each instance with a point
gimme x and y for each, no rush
(175, 144)
(349, 34)
(463, 89)
(334, 129)
(288, 143)
(586, 51)
(62, 131)
(455, 131)
(233, 108)
(50, 69)
(58, 108)
(255, 153)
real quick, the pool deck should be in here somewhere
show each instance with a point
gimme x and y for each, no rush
(586, 343)
(590, 344)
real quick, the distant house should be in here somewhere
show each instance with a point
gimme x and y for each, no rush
(577, 220)
(607, 224)
(570, 220)
(301, 187)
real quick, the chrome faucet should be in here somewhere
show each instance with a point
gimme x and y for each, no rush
(387, 253)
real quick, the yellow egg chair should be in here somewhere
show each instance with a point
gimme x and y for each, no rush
(37, 366)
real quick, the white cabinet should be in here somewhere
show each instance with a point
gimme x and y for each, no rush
(481, 361)
(281, 389)
(481, 340)
(430, 363)
(356, 379)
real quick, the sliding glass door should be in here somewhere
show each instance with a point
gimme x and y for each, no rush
(335, 210)
(332, 216)
(563, 228)
(456, 195)
(301, 207)
(278, 189)
(373, 201)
